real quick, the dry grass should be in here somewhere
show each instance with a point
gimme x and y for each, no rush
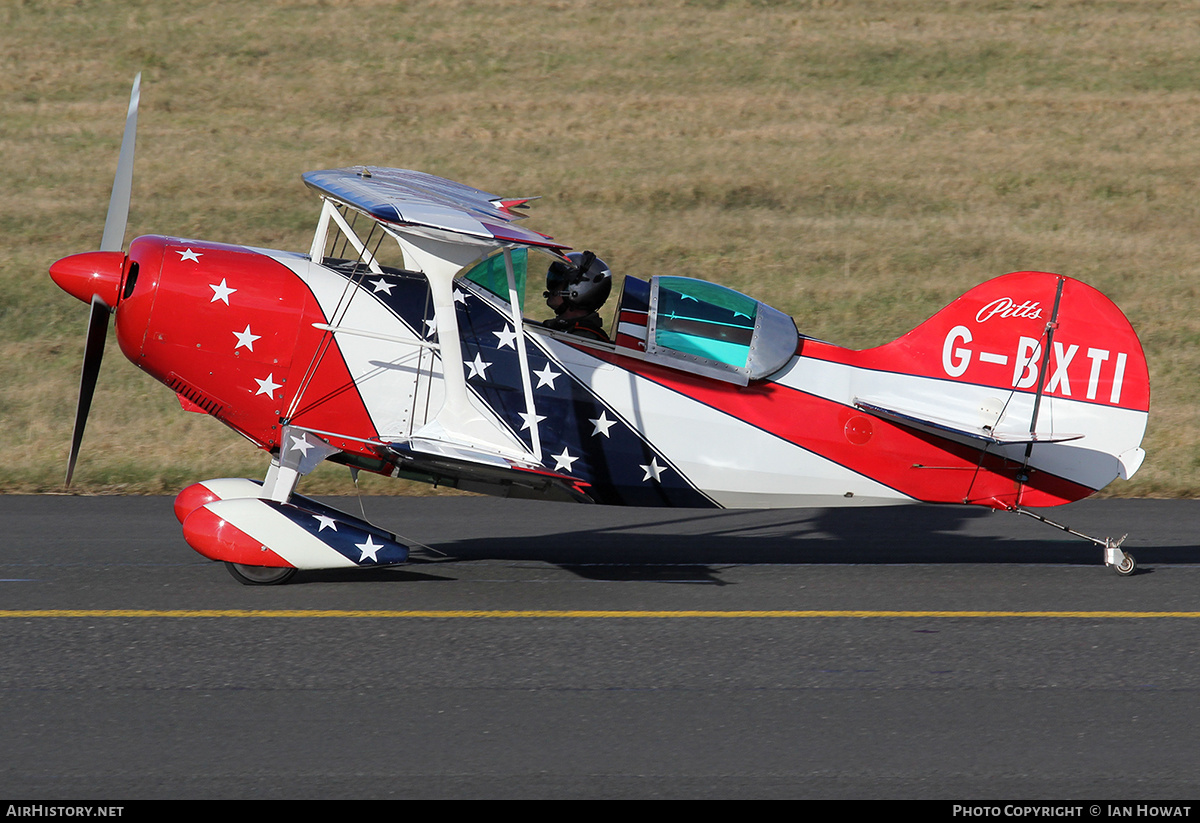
(857, 164)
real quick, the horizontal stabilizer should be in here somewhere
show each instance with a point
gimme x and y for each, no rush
(934, 425)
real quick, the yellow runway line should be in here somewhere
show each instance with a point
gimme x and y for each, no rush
(584, 614)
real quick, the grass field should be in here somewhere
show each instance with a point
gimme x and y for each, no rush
(856, 164)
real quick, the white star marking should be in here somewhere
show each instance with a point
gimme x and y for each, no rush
(459, 297)
(564, 460)
(326, 522)
(267, 386)
(602, 424)
(245, 338)
(430, 327)
(478, 367)
(194, 256)
(506, 339)
(653, 470)
(299, 444)
(381, 285)
(531, 419)
(369, 549)
(546, 377)
(221, 292)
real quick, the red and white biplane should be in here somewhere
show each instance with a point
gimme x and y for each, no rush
(397, 344)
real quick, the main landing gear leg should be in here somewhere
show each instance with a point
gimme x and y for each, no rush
(1122, 562)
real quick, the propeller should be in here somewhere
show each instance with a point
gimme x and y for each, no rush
(113, 241)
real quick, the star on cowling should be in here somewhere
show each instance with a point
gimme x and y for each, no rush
(564, 460)
(430, 327)
(326, 522)
(602, 424)
(531, 419)
(369, 549)
(546, 377)
(194, 256)
(506, 339)
(478, 367)
(459, 297)
(300, 444)
(267, 386)
(245, 338)
(381, 285)
(653, 470)
(221, 292)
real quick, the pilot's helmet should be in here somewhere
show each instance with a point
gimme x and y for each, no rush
(584, 281)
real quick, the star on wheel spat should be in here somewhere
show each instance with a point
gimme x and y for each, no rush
(369, 549)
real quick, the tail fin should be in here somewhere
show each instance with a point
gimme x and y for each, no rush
(1038, 368)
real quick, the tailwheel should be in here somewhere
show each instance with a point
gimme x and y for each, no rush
(1121, 562)
(260, 575)
(1126, 566)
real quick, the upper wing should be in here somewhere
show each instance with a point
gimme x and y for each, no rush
(412, 198)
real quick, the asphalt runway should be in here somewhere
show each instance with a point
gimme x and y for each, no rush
(657, 654)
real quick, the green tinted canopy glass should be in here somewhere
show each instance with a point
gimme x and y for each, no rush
(491, 274)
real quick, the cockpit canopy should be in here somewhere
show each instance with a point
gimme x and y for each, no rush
(704, 328)
(686, 324)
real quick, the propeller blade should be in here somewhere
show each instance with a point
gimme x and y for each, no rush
(113, 240)
(118, 203)
(93, 353)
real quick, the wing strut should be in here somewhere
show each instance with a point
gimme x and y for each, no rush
(459, 423)
(514, 304)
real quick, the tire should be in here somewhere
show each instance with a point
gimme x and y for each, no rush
(1127, 566)
(260, 575)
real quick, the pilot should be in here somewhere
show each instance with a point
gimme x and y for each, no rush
(576, 288)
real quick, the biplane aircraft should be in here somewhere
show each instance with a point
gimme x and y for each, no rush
(397, 343)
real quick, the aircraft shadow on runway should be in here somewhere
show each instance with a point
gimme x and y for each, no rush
(693, 545)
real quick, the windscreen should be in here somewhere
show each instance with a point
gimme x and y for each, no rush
(492, 274)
